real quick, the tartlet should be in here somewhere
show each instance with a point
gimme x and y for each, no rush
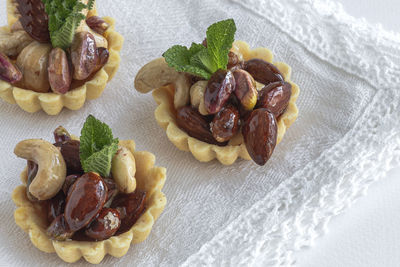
(53, 103)
(32, 216)
(165, 113)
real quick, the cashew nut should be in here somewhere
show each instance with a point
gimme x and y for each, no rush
(52, 168)
(197, 96)
(182, 91)
(12, 43)
(33, 63)
(156, 74)
(123, 169)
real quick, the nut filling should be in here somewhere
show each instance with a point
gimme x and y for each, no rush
(241, 101)
(234, 105)
(52, 61)
(84, 192)
(79, 204)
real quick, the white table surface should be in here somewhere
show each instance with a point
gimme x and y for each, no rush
(368, 233)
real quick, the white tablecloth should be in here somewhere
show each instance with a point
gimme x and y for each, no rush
(365, 234)
(346, 136)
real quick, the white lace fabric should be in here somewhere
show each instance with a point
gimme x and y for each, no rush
(347, 134)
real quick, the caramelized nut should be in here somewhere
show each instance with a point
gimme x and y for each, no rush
(194, 124)
(83, 55)
(102, 58)
(112, 191)
(263, 71)
(34, 19)
(219, 88)
(225, 124)
(70, 152)
(105, 225)
(275, 97)
(56, 206)
(245, 90)
(69, 181)
(233, 61)
(130, 206)
(260, 134)
(59, 72)
(97, 24)
(8, 71)
(59, 230)
(61, 134)
(16, 26)
(85, 200)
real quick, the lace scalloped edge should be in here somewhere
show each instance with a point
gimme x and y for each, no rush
(273, 242)
(246, 241)
(149, 178)
(381, 69)
(227, 155)
(52, 103)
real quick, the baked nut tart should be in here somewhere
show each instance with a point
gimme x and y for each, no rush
(88, 197)
(56, 54)
(220, 99)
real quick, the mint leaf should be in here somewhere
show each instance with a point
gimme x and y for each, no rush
(220, 37)
(195, 48)
(178, 57)
(196, 71)
(97, 146)
(200, 60)
(100, 161)
(64, 36)
(94, 136)
(64, 17)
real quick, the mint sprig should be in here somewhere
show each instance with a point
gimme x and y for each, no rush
(100, 161)
(64, 18)
(200, 60)
(220, 37)
(97, 146)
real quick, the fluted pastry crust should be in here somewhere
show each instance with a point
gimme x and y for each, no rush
(32, 218)
(165, 115)
(52, 103)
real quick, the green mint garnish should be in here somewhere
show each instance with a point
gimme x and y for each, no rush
(204, 61)
(64, 17)
(97, 147)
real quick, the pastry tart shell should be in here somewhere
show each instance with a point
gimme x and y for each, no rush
(165, 115)
(74, 99)
(32, 218)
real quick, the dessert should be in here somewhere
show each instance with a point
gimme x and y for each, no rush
(87, 197)
(221, 99)
(56, 54)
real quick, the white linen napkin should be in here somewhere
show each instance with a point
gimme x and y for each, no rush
(347, 134)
